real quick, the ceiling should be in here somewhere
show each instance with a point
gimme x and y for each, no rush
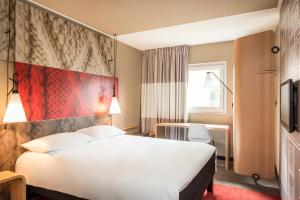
(177, 19)
(206, 31)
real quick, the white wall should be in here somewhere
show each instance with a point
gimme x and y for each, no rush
(129, 63)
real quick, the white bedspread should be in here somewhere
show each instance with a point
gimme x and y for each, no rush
(118, 168)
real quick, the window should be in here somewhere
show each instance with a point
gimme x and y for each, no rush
(205, 91)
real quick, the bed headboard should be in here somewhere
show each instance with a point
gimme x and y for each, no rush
(17, 133)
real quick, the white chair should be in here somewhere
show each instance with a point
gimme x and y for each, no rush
(199, 133)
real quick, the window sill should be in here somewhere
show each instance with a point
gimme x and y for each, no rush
(207, 113)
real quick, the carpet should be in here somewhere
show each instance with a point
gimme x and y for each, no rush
(224, 192)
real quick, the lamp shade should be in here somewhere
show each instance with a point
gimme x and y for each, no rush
(208, 83)
(114, 106)
(14, 111)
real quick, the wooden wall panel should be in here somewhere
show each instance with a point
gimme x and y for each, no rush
(289, 32)
(254, 105)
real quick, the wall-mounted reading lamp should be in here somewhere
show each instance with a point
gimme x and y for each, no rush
(114, 106)
(14, 108)
(209, 81)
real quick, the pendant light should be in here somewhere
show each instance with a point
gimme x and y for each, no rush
(14, 110)
(114, 106)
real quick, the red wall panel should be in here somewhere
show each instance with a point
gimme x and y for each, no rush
(52, 93)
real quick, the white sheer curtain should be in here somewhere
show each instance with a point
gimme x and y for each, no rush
(164, 88)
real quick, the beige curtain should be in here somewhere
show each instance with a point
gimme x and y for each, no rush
(164, 88)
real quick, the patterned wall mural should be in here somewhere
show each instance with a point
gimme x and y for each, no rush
(64, 76)
(46, 39)
(4, 7)
(289, 30)
(50, 93)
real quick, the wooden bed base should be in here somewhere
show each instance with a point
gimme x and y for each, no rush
(194, 191)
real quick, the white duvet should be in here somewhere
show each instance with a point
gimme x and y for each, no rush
(118, 168)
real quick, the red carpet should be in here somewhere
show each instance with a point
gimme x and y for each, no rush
(223, 192)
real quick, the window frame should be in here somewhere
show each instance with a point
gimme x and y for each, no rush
(222, 65)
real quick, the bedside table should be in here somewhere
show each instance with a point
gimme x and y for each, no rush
(17, 184)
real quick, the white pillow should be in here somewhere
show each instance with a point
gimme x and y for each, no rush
(101, 131)
(56, 142)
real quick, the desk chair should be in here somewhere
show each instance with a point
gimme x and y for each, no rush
(199, 133)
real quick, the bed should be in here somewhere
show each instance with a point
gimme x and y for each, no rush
(122, 167)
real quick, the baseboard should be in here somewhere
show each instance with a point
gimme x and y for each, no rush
(223, 158)
(277, 177)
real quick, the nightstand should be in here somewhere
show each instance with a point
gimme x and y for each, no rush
(17, 184)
